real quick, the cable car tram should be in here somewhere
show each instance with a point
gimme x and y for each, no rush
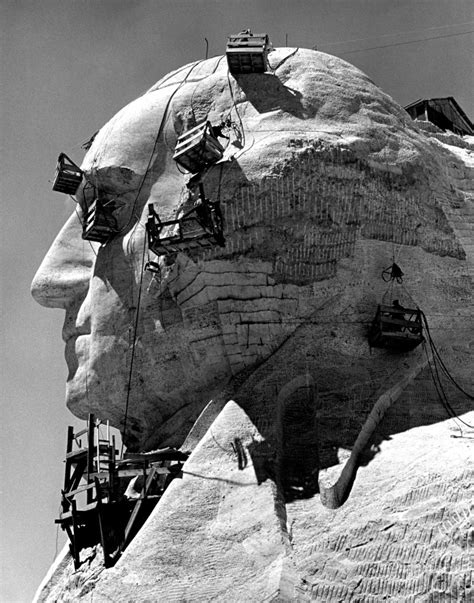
(198, 148)
(397, 328)
(99, 224)
(247, 52)
(200, 227)
(68, 176)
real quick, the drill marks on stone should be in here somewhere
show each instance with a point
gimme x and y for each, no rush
(330, 192)
(310, 215)
(408, 559)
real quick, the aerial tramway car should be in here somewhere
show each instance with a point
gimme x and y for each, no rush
(397, 328)
(99, 224)
(201, 226)
(198, 148)
(247, 52)
(68, 176)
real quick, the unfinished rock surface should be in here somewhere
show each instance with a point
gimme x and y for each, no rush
(326, 181)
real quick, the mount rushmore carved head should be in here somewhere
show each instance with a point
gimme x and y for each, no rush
(318, 164)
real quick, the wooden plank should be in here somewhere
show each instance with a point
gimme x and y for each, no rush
(78, 490)
(76, 477)
(79, 453)
(75, 548)
(103, 536)
(70, 437)
(138, 505)
(134, 472)
(166, 454)
(100, 474)
(385, 320)
(85, 509)
(90, 452)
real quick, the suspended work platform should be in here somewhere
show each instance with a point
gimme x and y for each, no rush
(247, 52)
(68, 176)
(99, 223)
(200, 227)
(198, 148)
(396, 328)
(106, 499)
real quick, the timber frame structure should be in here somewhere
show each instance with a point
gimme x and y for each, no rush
(100, 503)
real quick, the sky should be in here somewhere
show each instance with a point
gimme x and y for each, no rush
(66, 67)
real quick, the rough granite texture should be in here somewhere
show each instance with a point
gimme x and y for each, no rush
(326, 181)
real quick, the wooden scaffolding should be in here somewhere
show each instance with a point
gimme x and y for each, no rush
(106, 499)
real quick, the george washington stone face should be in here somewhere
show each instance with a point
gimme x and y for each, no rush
(318, 162)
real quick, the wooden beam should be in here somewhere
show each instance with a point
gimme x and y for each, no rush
(76, 476)
(136, 510)
(103, 535)
(90, 453)
(74, 544)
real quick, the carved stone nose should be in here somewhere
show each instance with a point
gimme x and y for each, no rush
(65, 271)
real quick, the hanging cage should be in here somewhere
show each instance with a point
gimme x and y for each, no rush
(200, 227)
(100, 224)
(396, 328)
(247, 52)
(198, 148)
(68, 176)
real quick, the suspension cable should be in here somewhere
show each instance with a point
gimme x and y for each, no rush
(436, 358)
(135, 330)
(155, 144)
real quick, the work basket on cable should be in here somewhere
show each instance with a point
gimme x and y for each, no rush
(397, 328)
(200, 227)
(247, 52)
(99, 223)
(68, 176)
(198, 148)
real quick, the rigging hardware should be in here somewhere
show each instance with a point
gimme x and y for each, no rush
(393, 273)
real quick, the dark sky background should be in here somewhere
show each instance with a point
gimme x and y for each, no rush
(67, 66)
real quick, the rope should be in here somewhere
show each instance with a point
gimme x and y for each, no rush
(437, 379)
(216, 66)
(439, 390)
(445, 370)
(165, 114)
(142, 271)
(283, 60)
(235, 108)
(160, 129)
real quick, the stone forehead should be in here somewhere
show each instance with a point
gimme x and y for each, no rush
(306, 93)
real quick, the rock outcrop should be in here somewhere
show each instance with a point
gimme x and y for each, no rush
(325, 182)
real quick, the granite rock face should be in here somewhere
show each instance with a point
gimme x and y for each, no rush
(325, 182)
